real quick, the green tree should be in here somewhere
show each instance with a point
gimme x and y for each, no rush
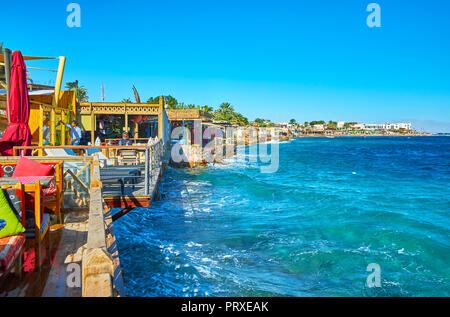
(81, 93)
(207, 109)
(332, 125)
(317, 122)
(169, 101)
(127, 100)
(293, 121)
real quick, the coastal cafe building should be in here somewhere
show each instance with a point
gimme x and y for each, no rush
(189, 119)
(48, 104)
(108, 120)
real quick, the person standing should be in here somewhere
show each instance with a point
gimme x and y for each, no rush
(75, 132)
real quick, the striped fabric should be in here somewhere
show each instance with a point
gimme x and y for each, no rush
(10, 248)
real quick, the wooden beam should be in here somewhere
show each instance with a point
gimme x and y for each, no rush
(126, 122)
(41, 129)
(92, 128)
(59, 77)
(7, 55)
(52, 127)
(160, 118)
(63, 128)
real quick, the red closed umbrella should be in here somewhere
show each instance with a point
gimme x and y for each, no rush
(17, 132)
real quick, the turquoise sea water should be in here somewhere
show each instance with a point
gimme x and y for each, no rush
(310, 229)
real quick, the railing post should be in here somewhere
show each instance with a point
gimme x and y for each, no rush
(146, 180)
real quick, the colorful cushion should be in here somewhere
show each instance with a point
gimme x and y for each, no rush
(14, 197)
(51, 189)
(2, 224)
(13, 225)
(10, 248)
(7, 170)
(26, 167)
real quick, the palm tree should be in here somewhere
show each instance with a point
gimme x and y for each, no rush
(127, 100)
(226, 107)
(207, 109)
(81, 93)
(169, 101)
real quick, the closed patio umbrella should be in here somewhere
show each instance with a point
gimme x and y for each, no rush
(17, 132)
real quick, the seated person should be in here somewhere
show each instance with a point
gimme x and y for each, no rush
(125, 140)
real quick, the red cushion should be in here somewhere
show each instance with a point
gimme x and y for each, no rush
(10, 248)
(26, 167)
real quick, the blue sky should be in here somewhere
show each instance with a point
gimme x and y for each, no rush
(308, 60)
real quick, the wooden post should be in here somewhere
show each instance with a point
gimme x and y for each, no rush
(7, 56)
(59, 77)
(92, 127)
(37, 223)
(52, 127)
(136, 131)
(126, 121)
(160, 119)
(41, 129)
(63, 128)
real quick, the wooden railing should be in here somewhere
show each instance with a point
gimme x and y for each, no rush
(153, 162)
(98, 267)
(151, 154)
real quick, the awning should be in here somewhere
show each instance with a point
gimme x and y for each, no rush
(26, 58)
(33, 92)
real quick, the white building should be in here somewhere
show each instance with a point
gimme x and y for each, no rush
(285, 124)
(318, 127)
(340, 124)
(387, 126)
(358, 126)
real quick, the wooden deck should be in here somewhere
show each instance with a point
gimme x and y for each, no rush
(66, 247)
(84, 258)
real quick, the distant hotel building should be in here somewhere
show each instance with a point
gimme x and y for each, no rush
(375, 126)
(387, 126)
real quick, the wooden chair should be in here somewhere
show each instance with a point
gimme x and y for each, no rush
(55, 201)
(128, 157)
(41, 223)
(31, 197)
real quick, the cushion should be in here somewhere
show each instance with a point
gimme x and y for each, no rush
(2, 224)
(70, 152)
(27, 167)
(10, 248)
(50, 190)
(15, 197)
(13, 225)
(7, 170)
